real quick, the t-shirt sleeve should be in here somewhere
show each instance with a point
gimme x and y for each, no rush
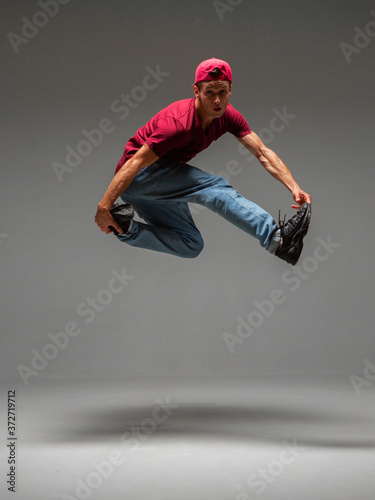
(167, 135)
(238, 125)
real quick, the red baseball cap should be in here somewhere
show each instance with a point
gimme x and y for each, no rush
(203, 71)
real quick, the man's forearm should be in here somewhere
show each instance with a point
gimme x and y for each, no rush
(124, 177)
(119, 183)
(122, 180)
(277, 168)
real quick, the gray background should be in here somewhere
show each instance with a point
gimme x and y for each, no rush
(171, 318)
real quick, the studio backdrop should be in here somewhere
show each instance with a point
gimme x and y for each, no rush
(78, 79)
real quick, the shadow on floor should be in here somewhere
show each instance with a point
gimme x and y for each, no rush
(320, 427)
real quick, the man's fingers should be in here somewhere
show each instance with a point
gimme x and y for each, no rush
(300, 198)
(114, 225)
(108, 225)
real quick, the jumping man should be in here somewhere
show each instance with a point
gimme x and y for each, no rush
(155, 178)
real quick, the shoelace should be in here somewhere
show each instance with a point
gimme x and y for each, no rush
(281, 222)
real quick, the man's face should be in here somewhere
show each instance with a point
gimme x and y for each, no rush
(214, 96)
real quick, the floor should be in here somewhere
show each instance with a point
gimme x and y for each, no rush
(193, 439)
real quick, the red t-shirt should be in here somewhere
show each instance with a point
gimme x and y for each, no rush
(176, 132)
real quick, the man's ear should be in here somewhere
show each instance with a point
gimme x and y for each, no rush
(230, 89)
(196, 91)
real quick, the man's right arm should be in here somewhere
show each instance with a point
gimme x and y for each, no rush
(124, 177)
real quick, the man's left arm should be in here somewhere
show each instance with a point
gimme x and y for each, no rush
(275, 166)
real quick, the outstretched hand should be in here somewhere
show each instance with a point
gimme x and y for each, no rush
(300, 197)
(104, 220)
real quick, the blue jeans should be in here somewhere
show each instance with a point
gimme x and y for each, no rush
(160, 195)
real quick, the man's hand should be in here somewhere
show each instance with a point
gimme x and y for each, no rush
(300, 197)
(104, 219)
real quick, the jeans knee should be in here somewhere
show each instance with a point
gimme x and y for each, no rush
(214, 196)
(193, 248)
(221, 181)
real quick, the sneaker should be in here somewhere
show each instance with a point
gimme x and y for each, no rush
(292, 233)
(123, 215)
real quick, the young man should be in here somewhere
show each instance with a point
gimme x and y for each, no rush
(154, 177)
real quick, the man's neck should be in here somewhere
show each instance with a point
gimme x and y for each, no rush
(204, 119)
